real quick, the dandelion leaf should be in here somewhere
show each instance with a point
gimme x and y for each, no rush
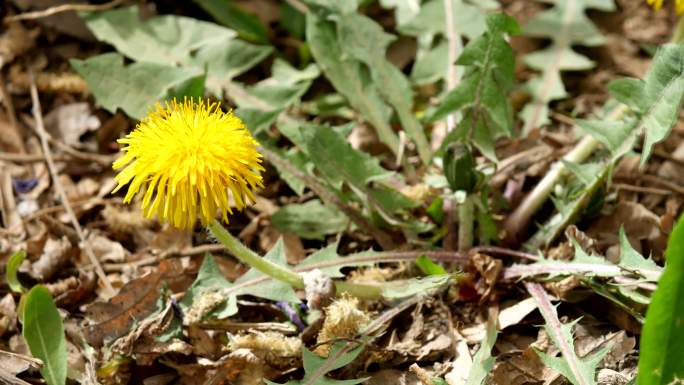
(654, 101)
(316, 368)
(270, 289)
(310, 220)
(661, 350)
(482, 94)
(566, 25)
(43, 331)
(132, 88)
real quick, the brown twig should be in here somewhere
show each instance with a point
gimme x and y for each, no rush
(63, 8)
(43, 135)
(674, 187)
(641, 189)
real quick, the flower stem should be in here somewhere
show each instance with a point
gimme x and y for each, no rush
(247, 256)
(465, 224)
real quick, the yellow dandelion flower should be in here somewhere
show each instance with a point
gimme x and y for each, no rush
(657, 4)
(186, 157)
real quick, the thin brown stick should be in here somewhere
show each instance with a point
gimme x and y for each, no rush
(379, 235)
(664, 155)
(43, 135)
(674, 187)
(63, 8)
(641, 189)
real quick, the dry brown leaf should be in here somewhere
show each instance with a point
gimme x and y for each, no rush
(67, 123)
(8, 314)
(15, 41)
(56, 254)
(135, 301)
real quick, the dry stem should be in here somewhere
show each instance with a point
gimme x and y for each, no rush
(44, 139)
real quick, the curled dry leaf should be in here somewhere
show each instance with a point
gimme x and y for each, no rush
(56, 254)
(51, 83)
(135, 301)
(67, 123)
(8, 314)
(15, 41)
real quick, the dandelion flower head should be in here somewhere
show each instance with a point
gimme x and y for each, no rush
(657, 4)
(186, 158)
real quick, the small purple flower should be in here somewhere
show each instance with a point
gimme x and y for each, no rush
(291, 314)
(22, 186)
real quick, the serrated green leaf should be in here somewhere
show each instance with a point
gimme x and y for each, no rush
(274, 290)
(210, 279)
(413, 286)
(632, 260)
(315, 367)
(579, 371)
(329, 262)
(43, 331)
(134, 88)
(566, 25)
(177, 41)
(586, 173)
(366, 41)
(310, 220)
(661, 350)
(428, 267)
(338, 161)
(483, 362)
(283, 89)
(618, 136)
(482, 93)
(655, 102)
(255, 119)
(348, 77)
(247, 25)
(430, 20)
(11, 271)
(628, 91)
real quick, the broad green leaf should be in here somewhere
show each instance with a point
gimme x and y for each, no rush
(579, 371)
(618, 136)
(404, 10)
(335, 6)
(366, 41)
(430, 21)
(566, 25)
(255, 119)
(210, 279)
(428, 267)
(632, 260)
(315, 367)
(330, 263)
(134, 88)
(349, 77)
(168, 40)
(483, 362)
(661, 350)
(272, 289)
(338, 161)
(655, 102)
(247, 25)
(310, 220)
(43, 331)
(482, 94)
(176, 41)
(284, 88)
(413, 286)
(11, 271)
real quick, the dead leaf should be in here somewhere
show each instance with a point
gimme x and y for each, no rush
(56, 254)
(135, 301)
(69, 122)
(8, 319)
